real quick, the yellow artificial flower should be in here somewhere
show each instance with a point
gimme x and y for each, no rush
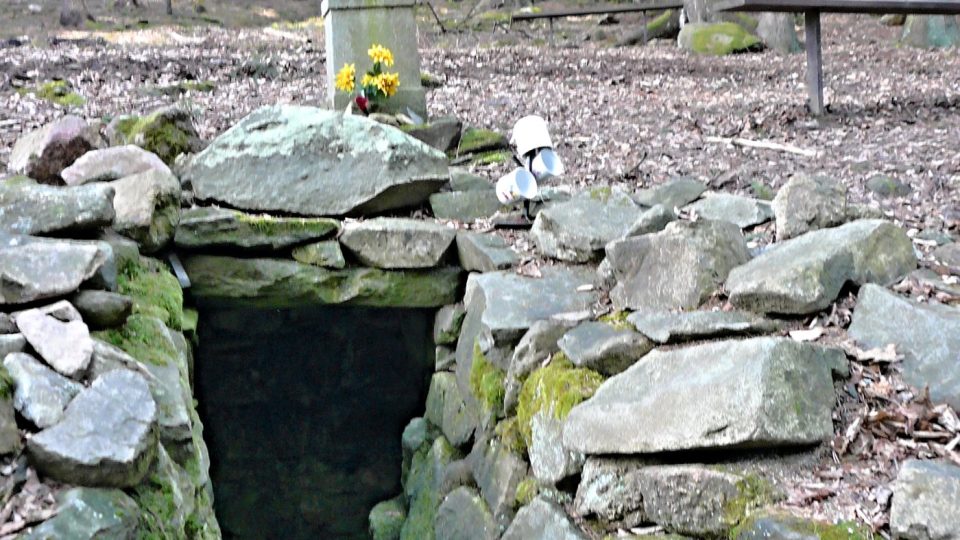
(379, 53)
(346, 78)
(368, 80)
(388, 83)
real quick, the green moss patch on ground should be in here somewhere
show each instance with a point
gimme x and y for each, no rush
(59, 92)
(556, 388)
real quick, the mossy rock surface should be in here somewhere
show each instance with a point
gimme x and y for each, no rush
(167, 132)
(386, 519)
(769, 524)
(717, 39)
(477, 140)
(59, 92)
(154, 290)
(554, 389)
(487, 385)
(215, 228)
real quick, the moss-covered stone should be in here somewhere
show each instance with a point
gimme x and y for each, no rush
(59, 92)
(154, 290)
(423, 488)
(753, 492)
(487, 384)
(386, 519)
(776, 524)
(142, 337)
(617, 319)
(215, 228)
(527, 490)
(508, 431)
(555, 389)
(492, 158)
(167, 133)
(476, 140)
(717, 39)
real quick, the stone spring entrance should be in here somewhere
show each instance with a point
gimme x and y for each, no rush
(303, 409)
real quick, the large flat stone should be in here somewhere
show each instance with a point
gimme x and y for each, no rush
(315, 162)
(34, 269)
(578, 229)
(103, 309)
(326, 254)
(679, 267)
(484, 252)
(217, 228)
(673, 327)
(743, 212)
(805, 274)
(90, 513)
(65, 346)
(39, 209)
(928, 335)
(676, 193)
(106, 438)
(601, 347)
(926, 496)
(397, 242)
(148, 208)
(466, 206)
(112, 163)
(40, 394)
(761, 392)
(276, 282)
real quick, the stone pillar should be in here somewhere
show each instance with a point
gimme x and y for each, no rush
(351, 26)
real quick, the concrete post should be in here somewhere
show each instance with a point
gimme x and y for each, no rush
(352, 26)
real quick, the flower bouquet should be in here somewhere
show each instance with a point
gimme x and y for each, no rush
(376, 85)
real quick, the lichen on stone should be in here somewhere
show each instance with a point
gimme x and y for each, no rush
(753, 492)
(527, 490)
(554, 389)
(617, 319)
(487, 383)
(154, 290)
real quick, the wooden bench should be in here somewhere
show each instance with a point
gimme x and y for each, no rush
(654, 5)
(812, 9)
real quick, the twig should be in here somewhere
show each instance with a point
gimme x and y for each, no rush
(435, 16)
(766, 145)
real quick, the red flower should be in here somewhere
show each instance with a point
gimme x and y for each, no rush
(362, 103)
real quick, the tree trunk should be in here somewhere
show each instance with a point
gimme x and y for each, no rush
(931, 31)
(665, 25)
(697, 11)
(170, 7)
(73, 13)
(778, 32)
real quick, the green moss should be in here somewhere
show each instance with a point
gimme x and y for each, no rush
(429, 81)
(601, 193)
(845, 530)
(155, 291)
(6, 383)
(617, 319)
(158, 507)
(59, 92)
(476, 140)
(486, 383)
(656, 26)
(143, 338)
(527, 490)
(556, 389)
(762, 191)
(492, 158)
(722, 38)
(18, 181)
(154, 134)
(753, 492)
(278, 226)
(509, 433)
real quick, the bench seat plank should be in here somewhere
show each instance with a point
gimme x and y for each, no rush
(656, 5)
(906, 7)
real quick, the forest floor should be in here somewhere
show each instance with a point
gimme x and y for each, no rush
(631, 117)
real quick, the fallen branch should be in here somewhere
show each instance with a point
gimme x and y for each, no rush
(765, 145)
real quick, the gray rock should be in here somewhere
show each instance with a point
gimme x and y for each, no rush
(463, 180)
(112, 163)
(601, 347)
(542, 520)
(466, 206)
(536, 346)
(320, 163)
(550, 461)
(40, 209)
(88, 514)
(928, 335)
(497, 471)
(397, 242)
(653, 220)
(949, 255)
(445, 359)
(9, 433)
(148, 208)
(806, 203)
(423, 489)
(926, 496)
(937, 236)
(768, 524)
(107, 357)
(446, 409)
(447, 323)
(65, 346)
(34, 269)
(386, 519)
(326, 254)
(743, 212)
(679, 267)
(12, 343)
(787, 402)
(671, 327)
(578, 229)
(676, 193)
(167, 132)
(441, 133)
(106, 437)
(40, 394)
(103, 309)
(62, 311)
(484, 252)
(218, 228)
(7, 326)
(418, 432)
(174, 399)
(805, 274)
(44, 152)
(464, 516)
(885, 186)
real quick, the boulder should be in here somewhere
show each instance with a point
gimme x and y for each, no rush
(464, 180)
(148, 208)
(949, 256)
(652, 220)
(222, 228)
(112, 163)
(550, 461)
(90, 513)
(884, 186)
(441, 133)
(422, 489)
(326, 254)
(498, 471)
(536, 346)
(674, 327)
(39, 209)
(578, 229)
(931, 31)
(103, 309)
(464, 516)
(743, 212)
(717, 39)
(276, 283)
(7, 326)
(65, 346)
(40, 394)
(806, 203)
(34, 269)
(679, 267)
(805, 274)
(386, 519)
(107, 435)
(166, 132)
(447, 323)
(320, 163)
(466, 206)
(484, 252)
(397, 242)
(542, 520)
(676, 193)
(12, 343)
(760, 392)
(447, 410)
(928, 335)
(602, 347)
(926, 496)
(44, 152)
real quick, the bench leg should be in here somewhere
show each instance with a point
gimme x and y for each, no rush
(814, 61)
